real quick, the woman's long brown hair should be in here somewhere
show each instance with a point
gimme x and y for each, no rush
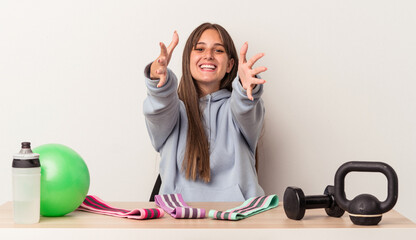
(196, 159)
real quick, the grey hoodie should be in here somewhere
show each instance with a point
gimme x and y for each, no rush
(232, 123)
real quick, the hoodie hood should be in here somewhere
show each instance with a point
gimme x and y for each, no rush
(216, 96)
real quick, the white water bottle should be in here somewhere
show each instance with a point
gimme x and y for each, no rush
(26, 186)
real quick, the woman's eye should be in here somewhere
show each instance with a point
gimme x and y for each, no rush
(219, 50)
(199, 49)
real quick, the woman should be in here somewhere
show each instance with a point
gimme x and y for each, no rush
(206, 131)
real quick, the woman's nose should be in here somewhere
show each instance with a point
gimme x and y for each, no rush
(209, 55)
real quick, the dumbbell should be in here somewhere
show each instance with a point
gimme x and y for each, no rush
(295, 203)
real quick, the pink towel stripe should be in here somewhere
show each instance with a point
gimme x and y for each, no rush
(175, 206)
(249, 205)
(94, 204)
(98, 204)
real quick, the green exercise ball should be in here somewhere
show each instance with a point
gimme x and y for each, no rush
(65, 179)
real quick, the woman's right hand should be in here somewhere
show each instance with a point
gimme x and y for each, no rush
(158, 70)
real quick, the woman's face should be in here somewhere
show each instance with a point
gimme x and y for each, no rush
(209, 61)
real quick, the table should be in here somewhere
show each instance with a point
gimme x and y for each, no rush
(272, 224)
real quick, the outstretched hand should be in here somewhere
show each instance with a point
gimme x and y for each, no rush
(246, 73)
(158, 70)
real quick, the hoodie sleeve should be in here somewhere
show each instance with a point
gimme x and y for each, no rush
(247, 114)
(161, 107)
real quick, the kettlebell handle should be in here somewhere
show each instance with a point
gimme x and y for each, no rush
(358, 166)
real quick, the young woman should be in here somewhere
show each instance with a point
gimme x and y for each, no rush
(207, 129)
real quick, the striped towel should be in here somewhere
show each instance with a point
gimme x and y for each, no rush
(95, 205)
(174, 205)
(249, 208)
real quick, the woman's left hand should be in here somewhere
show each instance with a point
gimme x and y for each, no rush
(246, 72)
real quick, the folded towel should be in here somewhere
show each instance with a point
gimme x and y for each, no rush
(95, 205)
(249, 208)
(174, 205)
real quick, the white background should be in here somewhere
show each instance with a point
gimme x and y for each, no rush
(339, 87)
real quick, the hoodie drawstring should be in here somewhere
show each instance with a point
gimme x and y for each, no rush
(209, 117)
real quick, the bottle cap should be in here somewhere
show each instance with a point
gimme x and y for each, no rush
(25, 144)
(26, 158)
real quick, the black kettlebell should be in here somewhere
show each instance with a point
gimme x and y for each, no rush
(365, 209)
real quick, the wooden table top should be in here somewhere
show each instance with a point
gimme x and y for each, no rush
(271, 219)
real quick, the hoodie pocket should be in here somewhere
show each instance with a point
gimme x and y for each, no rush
(209, 194)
